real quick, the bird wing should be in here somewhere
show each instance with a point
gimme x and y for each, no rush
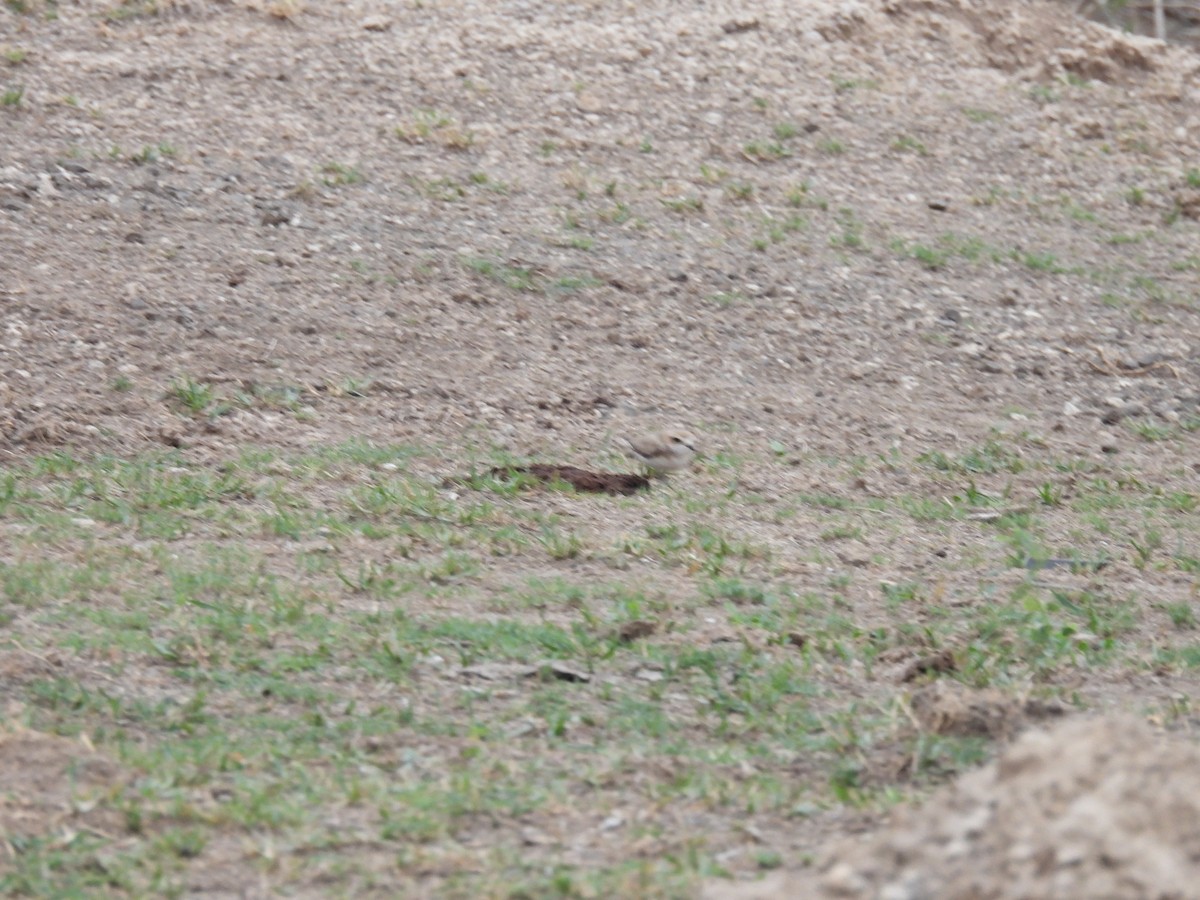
(643, 446)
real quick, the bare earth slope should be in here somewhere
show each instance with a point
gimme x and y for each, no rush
(652, 134)
(1092, 809)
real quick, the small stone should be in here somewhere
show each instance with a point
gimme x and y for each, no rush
(375, 23)
(589, 102)
(902, 890)
(535, 837)
(842, 880)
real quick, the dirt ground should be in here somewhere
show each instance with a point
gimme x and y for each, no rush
(1099, 808)
(878, 231)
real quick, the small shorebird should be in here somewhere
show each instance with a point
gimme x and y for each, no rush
(666, 451)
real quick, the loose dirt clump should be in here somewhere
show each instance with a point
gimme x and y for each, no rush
(1092, 808)
(616, 483)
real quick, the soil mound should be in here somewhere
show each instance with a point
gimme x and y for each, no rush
(1093, 808)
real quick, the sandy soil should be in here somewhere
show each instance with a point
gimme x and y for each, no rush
(805, 230)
